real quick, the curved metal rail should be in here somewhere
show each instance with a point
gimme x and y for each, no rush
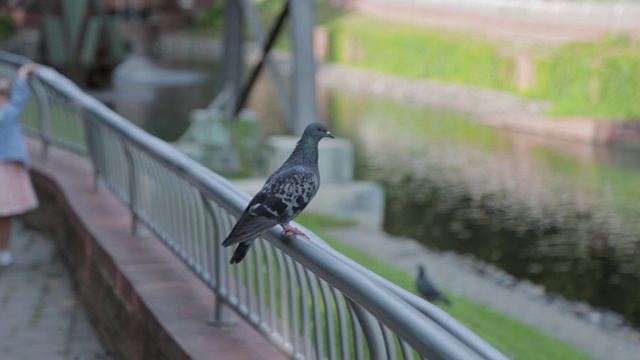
(308, 299)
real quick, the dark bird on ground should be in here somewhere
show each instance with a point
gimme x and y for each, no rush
(426, 287)
(284, 195)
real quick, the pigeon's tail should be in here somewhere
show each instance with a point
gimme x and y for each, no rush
(241, 251)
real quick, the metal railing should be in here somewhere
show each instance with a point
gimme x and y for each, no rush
(305, 297)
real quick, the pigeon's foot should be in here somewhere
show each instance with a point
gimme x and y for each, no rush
(288, 230)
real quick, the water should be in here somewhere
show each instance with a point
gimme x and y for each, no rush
(562, 215)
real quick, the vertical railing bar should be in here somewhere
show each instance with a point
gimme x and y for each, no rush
(155, 197)
(192, 227)
(221, 289)
(166, 218)
(273, 273)
(151, 187)
(329, 313)
(261, 271)
(189, 225)
(45, 117)
(92, 130)
(271, 284)
(284, 301)
(178, 215)
(119, 169)
(389, 343)
(357, 332)
(240, 289)
(303, 297)
(249, 276)
(135, 226)
(228, 220)
(209, 237)
(341, 305)
(173, 229)
(295, 321)
(407, 351)
(202, 237)
(317, 316)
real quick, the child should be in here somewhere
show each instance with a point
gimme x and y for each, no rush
(17, 195)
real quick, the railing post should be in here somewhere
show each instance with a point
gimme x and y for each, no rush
(94, 150)
(304, 65)
(220, 314)
(232, 55)
(45, 117)
(371, 331)
(135, 220)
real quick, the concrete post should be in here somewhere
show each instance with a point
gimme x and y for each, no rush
(232, 58)
(304, 65)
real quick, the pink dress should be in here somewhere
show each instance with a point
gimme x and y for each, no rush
(16, 191)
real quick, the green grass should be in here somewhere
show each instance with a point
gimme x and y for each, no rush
(416, 52)
(581, 79)
(592, 79)
(506, 334)
(7, 27)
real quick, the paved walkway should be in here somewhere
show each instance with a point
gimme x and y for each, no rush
(40, 316)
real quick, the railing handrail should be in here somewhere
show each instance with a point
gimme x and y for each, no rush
(411, 319)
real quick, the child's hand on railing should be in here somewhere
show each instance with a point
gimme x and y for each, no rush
(28, 69)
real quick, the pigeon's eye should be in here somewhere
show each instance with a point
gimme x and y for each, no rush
(319, 128)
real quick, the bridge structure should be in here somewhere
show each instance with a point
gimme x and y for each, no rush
(94, 171)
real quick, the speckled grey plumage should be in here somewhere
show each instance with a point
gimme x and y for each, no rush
(284, 195)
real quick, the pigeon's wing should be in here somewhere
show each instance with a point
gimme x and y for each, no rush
(290, 191)
(285, 194)
(253, 221)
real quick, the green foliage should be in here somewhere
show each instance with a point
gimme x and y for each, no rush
(6, 25)
(211, 18)
(599, 79)
(416, 52)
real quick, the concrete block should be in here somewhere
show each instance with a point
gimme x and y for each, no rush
(335, 159)
(362, 201)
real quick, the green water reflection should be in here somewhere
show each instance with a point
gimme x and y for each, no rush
(561, 215)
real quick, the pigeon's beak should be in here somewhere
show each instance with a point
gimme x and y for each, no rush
(329, 134)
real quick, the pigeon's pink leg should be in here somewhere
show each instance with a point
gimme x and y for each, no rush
(290, 230)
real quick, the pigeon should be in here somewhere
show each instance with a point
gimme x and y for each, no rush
(284, 195)
(428, 289)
